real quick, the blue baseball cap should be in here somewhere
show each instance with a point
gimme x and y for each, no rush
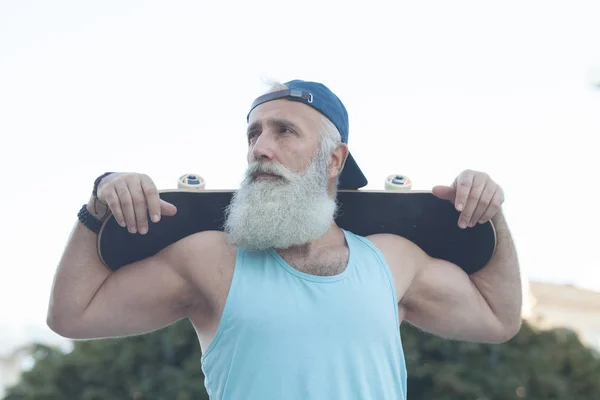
(319, 97)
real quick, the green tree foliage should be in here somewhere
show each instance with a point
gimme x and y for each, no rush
(550, 364)
(166, 365)
(160, 365)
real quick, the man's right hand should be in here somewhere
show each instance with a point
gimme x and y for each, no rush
(131, 197)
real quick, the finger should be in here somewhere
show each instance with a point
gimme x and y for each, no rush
(127, 206)
(152, 198)
(473, 198)
(140, 204)
(484, 202)
(112, 200)
(167, 208)
(463, 187)
(494, 206)
(444, 192)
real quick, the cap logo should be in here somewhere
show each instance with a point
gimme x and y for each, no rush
(292, 94)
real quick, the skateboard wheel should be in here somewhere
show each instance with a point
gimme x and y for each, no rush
(191, 181)
(398, 182)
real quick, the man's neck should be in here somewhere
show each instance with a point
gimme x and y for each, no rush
(332, 238)
(327, 255)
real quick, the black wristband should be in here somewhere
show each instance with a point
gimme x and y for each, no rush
(95, 189)
(97, 182)
(87, 219)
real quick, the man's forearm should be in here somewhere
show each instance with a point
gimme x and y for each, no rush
(500, 281)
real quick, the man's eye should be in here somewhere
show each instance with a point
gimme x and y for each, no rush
(285, 129)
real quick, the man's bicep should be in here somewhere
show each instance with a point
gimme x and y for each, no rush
(443, 300)
(139, 298)
(152, 293)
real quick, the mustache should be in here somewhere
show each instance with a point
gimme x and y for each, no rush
(269, 167)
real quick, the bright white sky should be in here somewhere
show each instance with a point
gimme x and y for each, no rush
(163, 88)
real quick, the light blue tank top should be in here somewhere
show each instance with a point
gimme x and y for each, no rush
(288, 335)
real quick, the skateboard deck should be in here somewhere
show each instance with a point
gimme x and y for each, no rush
(429, 222)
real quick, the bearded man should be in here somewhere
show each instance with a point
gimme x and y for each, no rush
(286, 304)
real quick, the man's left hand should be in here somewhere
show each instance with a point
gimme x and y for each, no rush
(475, 195)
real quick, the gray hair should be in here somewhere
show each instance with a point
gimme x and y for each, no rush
(330, 135)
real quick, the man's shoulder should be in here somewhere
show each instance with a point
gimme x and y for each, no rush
(202, 252)
(206, 260)
(402, 256)
(393, 245)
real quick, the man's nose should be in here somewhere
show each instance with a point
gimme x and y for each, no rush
(264, 147)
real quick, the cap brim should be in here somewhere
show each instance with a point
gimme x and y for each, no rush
(351, 177)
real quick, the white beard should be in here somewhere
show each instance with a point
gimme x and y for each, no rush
(277, 214)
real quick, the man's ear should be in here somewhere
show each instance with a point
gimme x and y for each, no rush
(337, 159)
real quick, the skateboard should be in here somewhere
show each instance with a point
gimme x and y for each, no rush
(429, 222)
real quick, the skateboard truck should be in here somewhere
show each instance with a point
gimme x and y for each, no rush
(398, 183)
(191, 181)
